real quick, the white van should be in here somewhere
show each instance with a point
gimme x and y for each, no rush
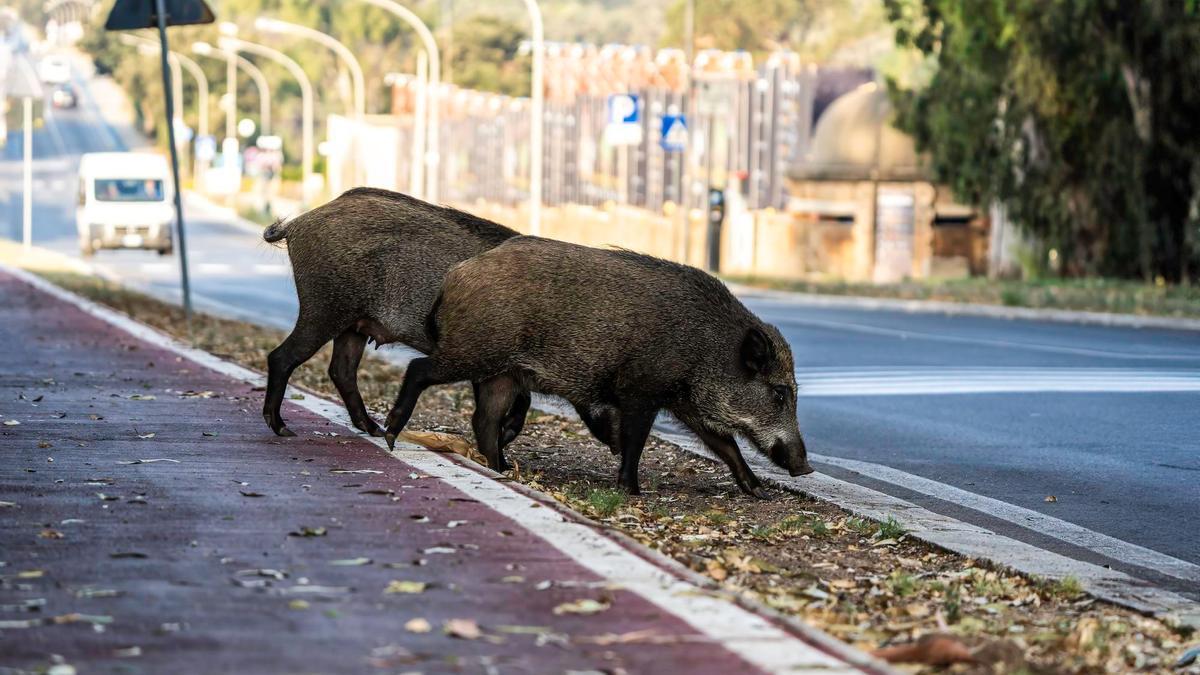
(124, 202)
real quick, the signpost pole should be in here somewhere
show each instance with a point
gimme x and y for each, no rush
(161, 12)
(27, 178)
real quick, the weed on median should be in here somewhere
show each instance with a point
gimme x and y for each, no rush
(861, 581)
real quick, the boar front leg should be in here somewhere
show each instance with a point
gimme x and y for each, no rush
(602, 422)
(343, 370)
(631, 437)
(725, 447)
(419, 376)
(494, 399)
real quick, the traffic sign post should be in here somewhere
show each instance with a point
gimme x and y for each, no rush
(674, 133)
(21, 81)
(624, 120)
(136, 14)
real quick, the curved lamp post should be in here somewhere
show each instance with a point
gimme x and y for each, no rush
(306, 99)
(537, 108)
(269, 25)
(433, 148)
(260, 80)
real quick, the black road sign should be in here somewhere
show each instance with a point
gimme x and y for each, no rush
(133, 14)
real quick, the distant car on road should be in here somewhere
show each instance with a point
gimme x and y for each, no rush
(64, 96)
(54, 69)
(124, 201)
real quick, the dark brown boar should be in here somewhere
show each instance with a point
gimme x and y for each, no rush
(368, 266)
(620, 336)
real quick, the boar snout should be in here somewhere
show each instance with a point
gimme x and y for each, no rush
(792, 456)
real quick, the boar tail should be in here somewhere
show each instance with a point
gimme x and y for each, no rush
(275, 231)
(431, 327)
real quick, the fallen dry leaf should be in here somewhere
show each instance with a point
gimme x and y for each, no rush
(1051, 498)
(401, 586)
(308, 532)
(582, 606)
(417, 625)
(465, 629)
(350, 562)
(11, 423)
(149, 435)
(441, 442)
(931, 650)
(51, 534)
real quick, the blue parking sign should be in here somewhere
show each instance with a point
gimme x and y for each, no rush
(674, 133)
(624, 109)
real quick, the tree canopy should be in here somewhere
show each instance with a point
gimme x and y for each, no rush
(1080, 116)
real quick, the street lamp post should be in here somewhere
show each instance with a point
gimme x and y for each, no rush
(306, 100)
(269, 25)
(537, 108)
(147, 47)
(197, 72)
(433, 148)
(260, 80)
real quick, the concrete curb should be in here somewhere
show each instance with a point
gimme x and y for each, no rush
(969, 309)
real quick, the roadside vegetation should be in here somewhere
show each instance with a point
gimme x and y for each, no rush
(865, 582)
(1088, 294)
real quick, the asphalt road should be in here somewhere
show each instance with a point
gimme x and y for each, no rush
(1102, 419)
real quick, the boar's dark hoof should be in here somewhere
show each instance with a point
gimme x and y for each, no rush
(391, 441)
(759, 492)
(284, 431)
(377, 432)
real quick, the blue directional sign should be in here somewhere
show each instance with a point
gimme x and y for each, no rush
(674, 133)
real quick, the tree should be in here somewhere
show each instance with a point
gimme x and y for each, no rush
(1079, 115)
(487, 56)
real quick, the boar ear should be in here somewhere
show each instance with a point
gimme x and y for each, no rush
(757, 351)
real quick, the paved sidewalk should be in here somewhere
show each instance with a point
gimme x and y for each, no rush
(150, 523)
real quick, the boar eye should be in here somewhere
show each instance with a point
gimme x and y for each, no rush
(782, 394)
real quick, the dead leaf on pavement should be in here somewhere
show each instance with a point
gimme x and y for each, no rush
(354, 471)
(442, 442)
(148, 461)
(465, 629)
(1051, 498)
(49, 533)
(417, 625)
(350, 562)
(582, 606)
(251, 494)
(308, 532)
(142, 397)
(149, 435)
(402, 586)
(932, 650)
(11, 423)
(8, 505)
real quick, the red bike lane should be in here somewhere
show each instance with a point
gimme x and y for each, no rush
(149, 522)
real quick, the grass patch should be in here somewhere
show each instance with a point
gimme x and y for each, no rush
(606, 501)
(1067, 587)
(1092, 295)
(901, 584)
(891, 529)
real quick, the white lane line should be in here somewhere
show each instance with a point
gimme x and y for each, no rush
(1110, 547)
(752, 637)
(214, 268)
(959, 339)
(278, 270)
(886, 382)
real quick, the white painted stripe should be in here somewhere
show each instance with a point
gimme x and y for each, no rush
(751, 636)
(214, 268)
(992, 380)
(1110, 547)
(967, 309)
(1016, 345)
(153, 268)
(280, 270)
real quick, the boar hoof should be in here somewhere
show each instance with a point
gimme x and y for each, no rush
(759, 492)
(284, 431)
(391, 441)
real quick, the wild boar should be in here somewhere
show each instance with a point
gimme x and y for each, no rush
(368, 266)
(620, 336)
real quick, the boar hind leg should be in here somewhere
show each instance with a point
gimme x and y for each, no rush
(343, 370)
(631, 437)
(305, 340)
(494, 400)
(726, 448)
(514, 420)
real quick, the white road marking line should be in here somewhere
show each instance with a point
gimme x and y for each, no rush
(907, 382)
(957, 339)
(1062, 530)
(213, 268)
(752, 637)
(280, 270)
(153, 268)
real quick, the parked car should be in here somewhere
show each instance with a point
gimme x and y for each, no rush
(54, 69)
(64, 96)
(124, 201)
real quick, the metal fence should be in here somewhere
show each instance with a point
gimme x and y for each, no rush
(746, 127)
